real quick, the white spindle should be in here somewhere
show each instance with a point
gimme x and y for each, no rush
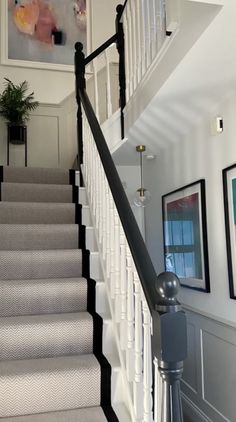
(117, 267)
(130, 318)
(129, 42)
(138, 345)
(112, 250)
(127, 54)
(109, 103)
(108, 245)
(123, 288)
(143, 29)
(95, 72)
(158, 391)
(147, 364)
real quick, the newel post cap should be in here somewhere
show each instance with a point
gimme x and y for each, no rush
(167, 286)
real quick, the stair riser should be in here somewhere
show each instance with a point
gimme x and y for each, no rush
(83, 196)
(86, 217)
(95, 266)
(91, 243)
(46, 336)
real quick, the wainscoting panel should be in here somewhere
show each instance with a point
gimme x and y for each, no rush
(209, 381)
(190, 367)
(43, 145)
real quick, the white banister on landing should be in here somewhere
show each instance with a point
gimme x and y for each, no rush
(144, 23)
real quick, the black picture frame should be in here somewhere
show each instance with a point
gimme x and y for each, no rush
(185, 235)
(229, 192)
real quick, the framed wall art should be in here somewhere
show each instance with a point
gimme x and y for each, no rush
(185, 235)
(229, 185)
(42, 33)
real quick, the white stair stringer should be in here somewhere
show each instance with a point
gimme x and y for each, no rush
(120, 387)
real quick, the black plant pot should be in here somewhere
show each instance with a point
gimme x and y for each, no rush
(17, 134)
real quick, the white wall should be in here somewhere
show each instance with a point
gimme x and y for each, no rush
(199, 155)
(210, 374)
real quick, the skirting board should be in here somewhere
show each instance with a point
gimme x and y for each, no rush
(191, 412)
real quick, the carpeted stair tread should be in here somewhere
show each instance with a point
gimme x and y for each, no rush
(29, 192)
(40, 264)
(39, 336)
(34, 297)
(91, 414)
(49, 385)
(36, 175)
(36, 213)
(38, 236)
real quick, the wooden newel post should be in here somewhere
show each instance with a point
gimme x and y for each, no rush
(120, 44)
(80, 84)
(169, 346)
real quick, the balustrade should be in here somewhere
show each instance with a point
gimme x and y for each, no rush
(144, 23)
(150, 325)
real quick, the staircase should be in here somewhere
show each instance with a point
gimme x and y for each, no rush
(51, 362)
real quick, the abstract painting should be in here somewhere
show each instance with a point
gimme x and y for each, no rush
(185, 235)
(45, 31)
(229, 184)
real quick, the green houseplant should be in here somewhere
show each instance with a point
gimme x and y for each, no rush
(15, 107)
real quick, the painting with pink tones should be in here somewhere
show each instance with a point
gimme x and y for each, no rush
(46, 30)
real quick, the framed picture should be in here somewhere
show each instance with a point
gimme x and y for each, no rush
(229, 185)
(185, 235)
(42, 33)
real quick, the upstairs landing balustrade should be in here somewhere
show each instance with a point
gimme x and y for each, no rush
(144, 23)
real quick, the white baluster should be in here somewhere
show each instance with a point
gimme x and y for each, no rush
(127, 54)
(148, 31)
(130, 318)
(112, 249)
(117, 267)
(138, 346)
(143, 28)
(153, 29)
(109, 103)
(123, 287)
(138, 42)
(132, 5)
(158, 386)
(147, 364)
(129, 41)
(108, 246)
(95, 72)
(104, 237)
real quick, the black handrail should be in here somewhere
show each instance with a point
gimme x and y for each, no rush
(142, 260)
(100, 49)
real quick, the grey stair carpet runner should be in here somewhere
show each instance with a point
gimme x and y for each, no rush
(51, 364)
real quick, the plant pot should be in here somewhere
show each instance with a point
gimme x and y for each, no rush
(16, 134)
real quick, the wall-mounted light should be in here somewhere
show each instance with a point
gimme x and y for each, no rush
(142, 195)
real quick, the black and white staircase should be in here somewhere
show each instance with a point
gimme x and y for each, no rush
(51, 362)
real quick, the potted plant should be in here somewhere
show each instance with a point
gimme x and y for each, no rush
(15, 107)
